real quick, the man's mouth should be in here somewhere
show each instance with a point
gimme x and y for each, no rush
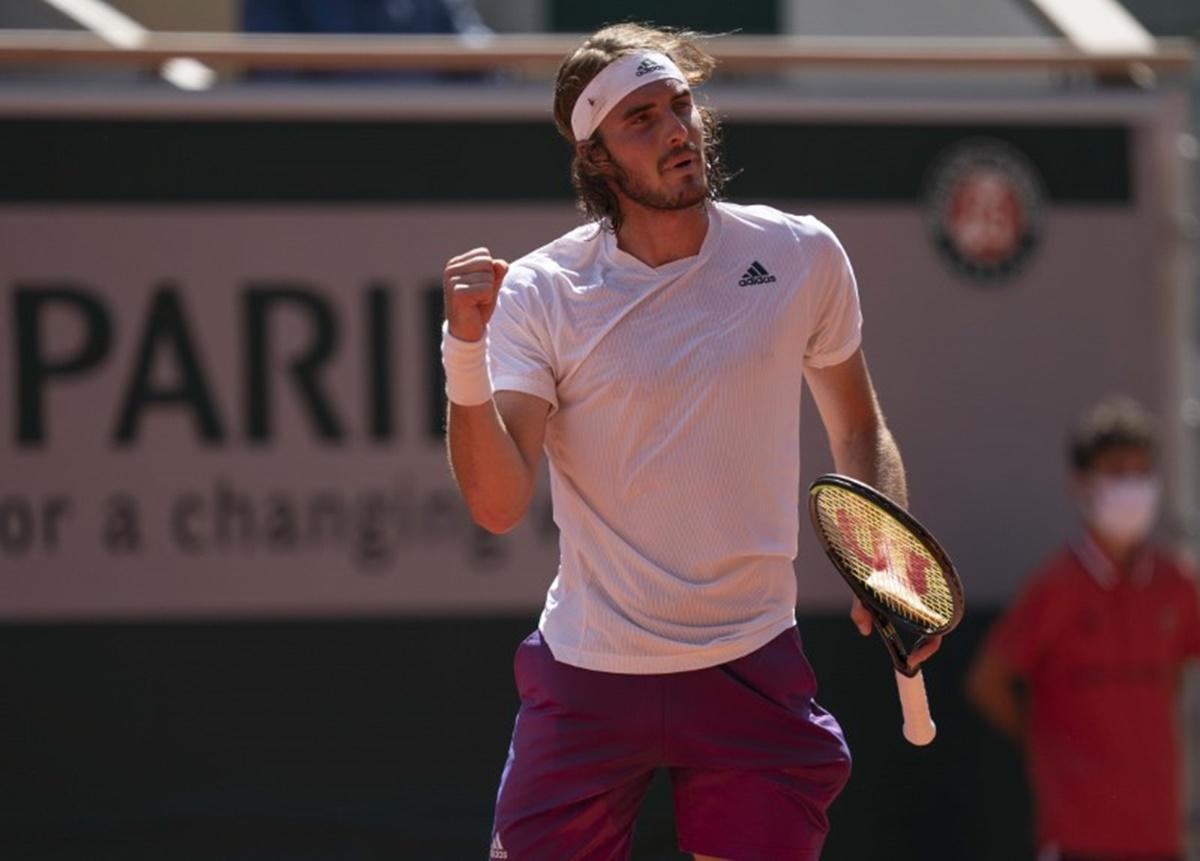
(679, 160)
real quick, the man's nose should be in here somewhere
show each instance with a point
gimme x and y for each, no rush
(677, 129)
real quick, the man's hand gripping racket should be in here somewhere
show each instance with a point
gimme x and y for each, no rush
(902, 576)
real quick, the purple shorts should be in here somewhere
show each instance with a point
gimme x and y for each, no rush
(754, 762)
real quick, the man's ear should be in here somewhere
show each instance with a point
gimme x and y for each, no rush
(593, 153)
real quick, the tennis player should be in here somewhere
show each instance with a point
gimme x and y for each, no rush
(657, 355)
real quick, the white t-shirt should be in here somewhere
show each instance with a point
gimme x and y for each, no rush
(674, 435)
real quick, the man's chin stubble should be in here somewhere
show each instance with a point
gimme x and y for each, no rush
(682, 200)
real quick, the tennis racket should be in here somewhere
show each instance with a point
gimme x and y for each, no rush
(898, 571)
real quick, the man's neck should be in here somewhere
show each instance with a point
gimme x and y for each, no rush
(1120, 555)
(657, 237)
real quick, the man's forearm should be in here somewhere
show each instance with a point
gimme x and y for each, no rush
(495, 480)
(872, 455)
(1005, 713)
(994, 691)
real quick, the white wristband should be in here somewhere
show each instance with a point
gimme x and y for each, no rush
(468, 383)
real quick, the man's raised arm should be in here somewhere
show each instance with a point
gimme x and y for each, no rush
(494, 440)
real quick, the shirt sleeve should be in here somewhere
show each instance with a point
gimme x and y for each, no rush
(836, 330)
(519, 355)
(1023, 632)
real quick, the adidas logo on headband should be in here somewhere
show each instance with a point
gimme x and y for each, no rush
(647, 66)
(614, 82)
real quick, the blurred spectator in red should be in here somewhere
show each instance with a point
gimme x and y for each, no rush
(1083, 671)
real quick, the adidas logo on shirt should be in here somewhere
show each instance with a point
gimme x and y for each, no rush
(647, 66)
(756, 274)
(499, 853)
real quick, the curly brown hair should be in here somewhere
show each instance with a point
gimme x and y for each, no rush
(596, 198)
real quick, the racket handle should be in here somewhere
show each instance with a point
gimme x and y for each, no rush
(918, 725)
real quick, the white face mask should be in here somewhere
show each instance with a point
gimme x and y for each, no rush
(1123, 509)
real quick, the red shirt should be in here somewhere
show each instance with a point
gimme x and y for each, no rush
(1101, 651)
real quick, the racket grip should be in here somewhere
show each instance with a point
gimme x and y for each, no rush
(919, 728)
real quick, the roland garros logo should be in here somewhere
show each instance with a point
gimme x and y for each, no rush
(985, 209)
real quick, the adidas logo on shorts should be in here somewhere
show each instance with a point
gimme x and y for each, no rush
(647, 66)
(499, 853)
(756, 274)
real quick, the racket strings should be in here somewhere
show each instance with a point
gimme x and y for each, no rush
(882, 554)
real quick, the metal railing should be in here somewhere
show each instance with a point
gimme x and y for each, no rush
(539, 55)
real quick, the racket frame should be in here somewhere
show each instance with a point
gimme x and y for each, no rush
(886, 620)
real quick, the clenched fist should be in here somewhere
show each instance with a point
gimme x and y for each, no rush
(471, 282)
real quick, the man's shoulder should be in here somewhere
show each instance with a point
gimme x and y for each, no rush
(1059, 570)
(758, 216)
(1174, 565)
(566, 254)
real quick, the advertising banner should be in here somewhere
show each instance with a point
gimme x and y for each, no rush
(219, 383)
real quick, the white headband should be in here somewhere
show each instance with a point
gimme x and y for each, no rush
(614, 82)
